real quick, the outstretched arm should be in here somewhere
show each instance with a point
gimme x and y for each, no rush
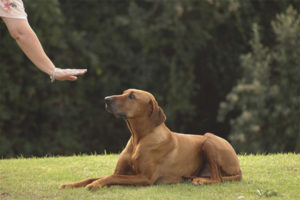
(27, 40)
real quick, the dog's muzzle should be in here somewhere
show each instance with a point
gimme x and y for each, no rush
(108, 104)
(113, 108)
(108, 100)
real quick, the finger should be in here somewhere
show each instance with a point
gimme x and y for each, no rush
(72, 78)
(76, 72)
(79, 73)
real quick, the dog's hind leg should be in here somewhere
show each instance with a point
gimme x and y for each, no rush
(211, 172)
(215, 175)
(237, 177)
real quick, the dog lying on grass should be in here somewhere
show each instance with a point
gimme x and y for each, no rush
(156, 155)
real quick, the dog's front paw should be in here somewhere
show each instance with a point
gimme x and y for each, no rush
(63, 186)
(92, 186)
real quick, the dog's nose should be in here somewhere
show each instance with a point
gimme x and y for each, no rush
(108, 100)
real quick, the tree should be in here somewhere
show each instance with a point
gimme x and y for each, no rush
(264, 106)
(184, 52)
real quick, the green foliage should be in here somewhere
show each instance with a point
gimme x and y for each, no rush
(184, 52)
(266, 101)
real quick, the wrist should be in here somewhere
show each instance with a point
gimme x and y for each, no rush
(52, 75)
(50, 71)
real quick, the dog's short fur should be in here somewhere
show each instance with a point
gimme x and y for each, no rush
(155, 155)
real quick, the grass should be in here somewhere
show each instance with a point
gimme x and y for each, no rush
(264, 177)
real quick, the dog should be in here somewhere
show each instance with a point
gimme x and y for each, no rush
(156, 155)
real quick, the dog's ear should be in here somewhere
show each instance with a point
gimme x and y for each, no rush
(157, 115)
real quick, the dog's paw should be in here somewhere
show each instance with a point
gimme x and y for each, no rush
(64, 186)
(92, 186)
(197, 181)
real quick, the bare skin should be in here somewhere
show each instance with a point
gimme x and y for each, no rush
(27, 40)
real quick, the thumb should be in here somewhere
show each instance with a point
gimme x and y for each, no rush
(72, 78)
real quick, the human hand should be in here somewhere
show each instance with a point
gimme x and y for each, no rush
(66, 74)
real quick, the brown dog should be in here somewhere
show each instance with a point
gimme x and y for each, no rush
(155, 155)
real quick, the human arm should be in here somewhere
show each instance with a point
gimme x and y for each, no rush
(27, 40)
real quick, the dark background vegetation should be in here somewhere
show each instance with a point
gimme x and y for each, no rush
(230, 67)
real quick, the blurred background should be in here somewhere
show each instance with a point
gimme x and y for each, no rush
(231, 67)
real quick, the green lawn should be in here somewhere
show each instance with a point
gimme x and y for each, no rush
(264, 177)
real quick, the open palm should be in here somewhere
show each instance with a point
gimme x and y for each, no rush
(68, 74)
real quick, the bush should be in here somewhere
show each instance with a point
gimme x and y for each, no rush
(184, 52)
(265, 103)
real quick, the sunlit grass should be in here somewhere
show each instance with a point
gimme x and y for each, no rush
(264, 176)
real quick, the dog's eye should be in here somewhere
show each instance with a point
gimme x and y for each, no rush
(131, 96)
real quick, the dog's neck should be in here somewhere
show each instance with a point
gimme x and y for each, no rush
(139, 128)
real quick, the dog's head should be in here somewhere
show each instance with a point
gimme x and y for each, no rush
(134, 104)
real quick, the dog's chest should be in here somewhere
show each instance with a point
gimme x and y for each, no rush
(143, 159)
(139, 153)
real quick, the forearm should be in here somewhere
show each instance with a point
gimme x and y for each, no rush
(21, 31)
(33, 49)
(30, 44)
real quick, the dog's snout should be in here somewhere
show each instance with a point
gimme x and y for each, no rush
(108, 100)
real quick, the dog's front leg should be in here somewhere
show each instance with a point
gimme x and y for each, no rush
(82, 183)
(117, 179)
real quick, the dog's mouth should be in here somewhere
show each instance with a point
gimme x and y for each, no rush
(120, 115)
(123, 116)
(108, 108)
(112, 109)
